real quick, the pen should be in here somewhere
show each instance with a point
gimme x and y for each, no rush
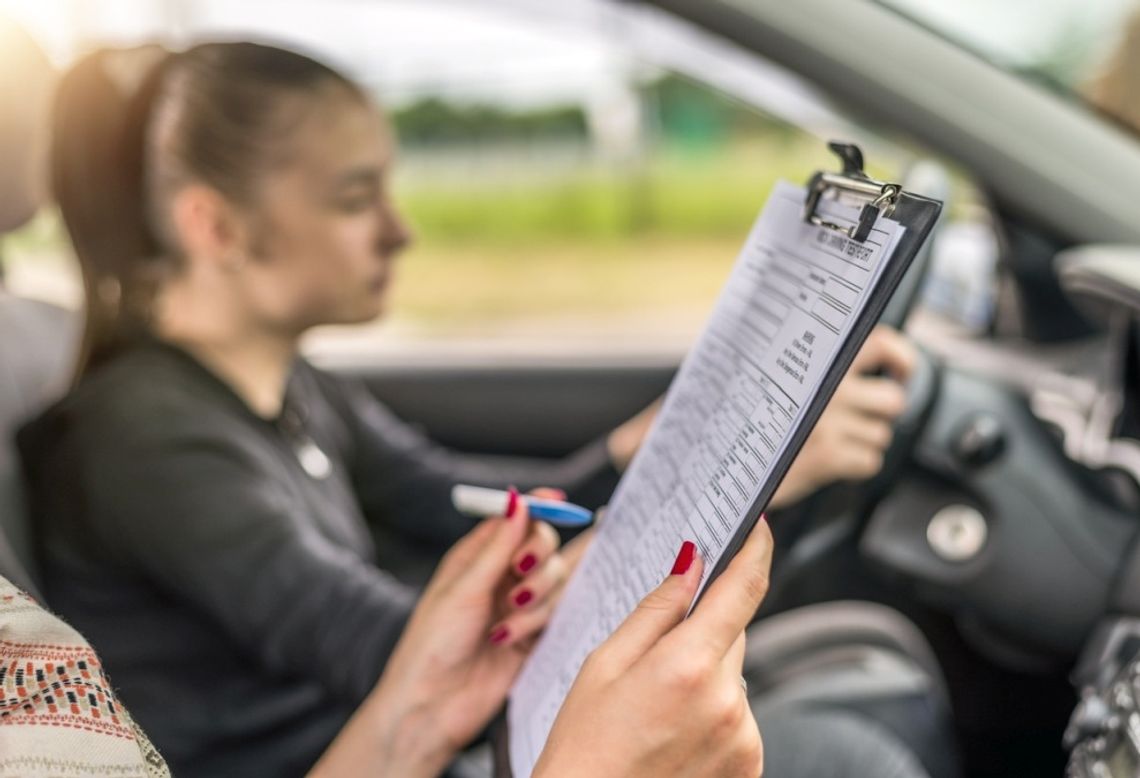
(478, 501)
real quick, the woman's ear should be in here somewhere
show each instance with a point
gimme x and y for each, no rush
(209, 228)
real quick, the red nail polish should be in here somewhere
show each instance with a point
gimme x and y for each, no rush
(523, 597)
(684, 558)
(512, 502)
(763, 517)
(499, 634)
(527, 563)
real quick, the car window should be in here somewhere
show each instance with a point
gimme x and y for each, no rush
(579, 183)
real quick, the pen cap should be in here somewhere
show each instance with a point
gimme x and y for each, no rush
(478, 501)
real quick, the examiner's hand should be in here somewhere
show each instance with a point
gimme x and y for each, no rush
(568, 558)
(539, 572)
(460, 652)
(663, 695)
(854, 431)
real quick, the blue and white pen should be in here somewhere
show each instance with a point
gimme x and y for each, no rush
(480, 502)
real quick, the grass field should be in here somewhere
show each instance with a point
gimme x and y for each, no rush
(675, 192)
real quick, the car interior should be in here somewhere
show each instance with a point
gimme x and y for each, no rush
(1003, 523)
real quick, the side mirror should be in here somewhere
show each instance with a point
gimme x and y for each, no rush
(1104, 280)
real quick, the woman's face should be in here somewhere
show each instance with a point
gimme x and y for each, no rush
(324, 236)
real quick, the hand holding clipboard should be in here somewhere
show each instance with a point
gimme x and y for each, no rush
(699, 713)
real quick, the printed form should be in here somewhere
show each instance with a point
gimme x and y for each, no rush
(790, 301)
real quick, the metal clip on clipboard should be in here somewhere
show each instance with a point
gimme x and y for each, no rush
(852, 181)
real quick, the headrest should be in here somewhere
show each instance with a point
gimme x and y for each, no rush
(26, 82)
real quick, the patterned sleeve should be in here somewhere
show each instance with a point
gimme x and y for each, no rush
(58, 712)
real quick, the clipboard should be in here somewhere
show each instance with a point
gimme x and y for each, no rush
(875, 199)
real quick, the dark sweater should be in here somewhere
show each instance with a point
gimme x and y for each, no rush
(234, 596)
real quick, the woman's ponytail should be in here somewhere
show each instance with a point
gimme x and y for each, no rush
(100, 120)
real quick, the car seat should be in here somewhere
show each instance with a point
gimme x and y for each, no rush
(37, 340)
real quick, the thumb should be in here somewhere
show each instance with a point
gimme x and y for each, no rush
(460, 556)
(658, 612)
(486, 567)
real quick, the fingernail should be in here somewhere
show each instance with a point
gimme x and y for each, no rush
(763, 517)
(559, 493)
(684, 558)
(512, 502)
(499, 634)
(523, 597)
(527, 563)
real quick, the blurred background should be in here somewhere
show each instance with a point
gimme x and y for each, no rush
(578, 183)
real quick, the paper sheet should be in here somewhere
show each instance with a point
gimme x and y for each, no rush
(789, 302)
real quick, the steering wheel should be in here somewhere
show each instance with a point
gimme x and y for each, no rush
(994, 521)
